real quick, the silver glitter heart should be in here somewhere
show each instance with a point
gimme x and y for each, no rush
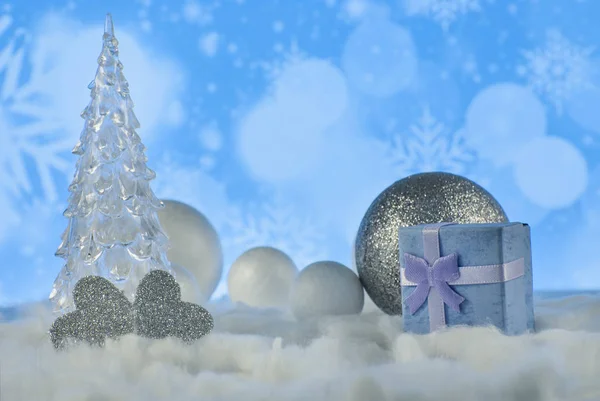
(159, 312)
(102, 312)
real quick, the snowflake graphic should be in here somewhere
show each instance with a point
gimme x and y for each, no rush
(557, 70)
(444, 12)
(29, 132)
(277, 224)
(428, 146)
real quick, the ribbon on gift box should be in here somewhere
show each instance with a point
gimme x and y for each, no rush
(434, 275)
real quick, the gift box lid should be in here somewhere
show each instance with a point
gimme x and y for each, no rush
(475, 244)
(470, 226)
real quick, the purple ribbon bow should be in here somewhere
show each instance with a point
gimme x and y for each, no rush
(443, 270)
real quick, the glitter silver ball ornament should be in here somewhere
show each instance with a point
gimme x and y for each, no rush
(418, 199)
(159, 312)
(102, 311)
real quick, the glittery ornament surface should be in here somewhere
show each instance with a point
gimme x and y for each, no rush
(102, 312)
(159, 311)
(418, 199)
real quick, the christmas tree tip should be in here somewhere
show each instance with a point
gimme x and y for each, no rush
(108, 25)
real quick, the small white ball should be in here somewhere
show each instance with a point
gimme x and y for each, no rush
(190, 290)
(195, 244)
(262, 277)
(326, 288)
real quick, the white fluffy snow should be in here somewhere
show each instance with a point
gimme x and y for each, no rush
(254, 355)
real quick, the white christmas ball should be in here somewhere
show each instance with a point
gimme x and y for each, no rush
(190, 290)
(195, 244)
(262, 277)
(326, 288)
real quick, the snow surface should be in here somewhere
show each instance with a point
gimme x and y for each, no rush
(266, 355)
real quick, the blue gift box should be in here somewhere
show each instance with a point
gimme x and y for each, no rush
(466, 274)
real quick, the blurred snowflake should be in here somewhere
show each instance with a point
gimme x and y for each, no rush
(276, 224)
(444, 12)
(429, 146)
(198, 13)
(287, 57)
(26, 129)
(354, 10)
(211, 140)
(187, 180)
(557, 70)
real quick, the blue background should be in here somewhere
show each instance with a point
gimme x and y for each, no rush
(282, 120)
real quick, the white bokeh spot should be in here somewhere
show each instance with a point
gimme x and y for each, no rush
(314, 88)
(501, 184)
(501, 119)
(380, 58)
(551, 172)
(282, 138)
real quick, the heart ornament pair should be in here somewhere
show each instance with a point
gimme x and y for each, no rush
(102, 311)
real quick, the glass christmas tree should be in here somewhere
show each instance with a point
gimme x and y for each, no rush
(113, 228)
